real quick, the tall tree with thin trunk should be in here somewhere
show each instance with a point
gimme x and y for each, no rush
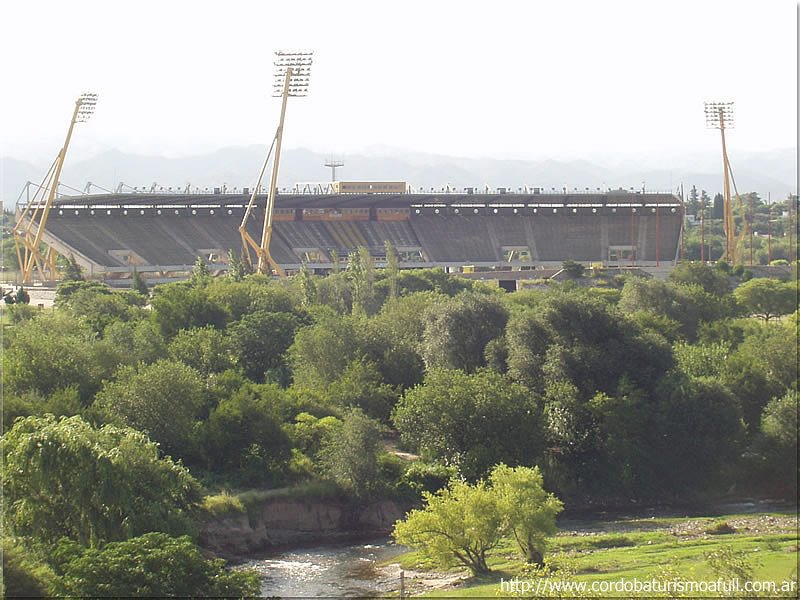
(392, 270)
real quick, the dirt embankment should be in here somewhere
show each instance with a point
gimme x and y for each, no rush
(281, 523)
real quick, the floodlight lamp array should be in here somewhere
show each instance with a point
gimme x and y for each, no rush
(299, 72)
(719, 115)
(86, 105)
(298, 66)
(298, 58)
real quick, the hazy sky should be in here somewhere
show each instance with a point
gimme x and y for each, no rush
(500, 78)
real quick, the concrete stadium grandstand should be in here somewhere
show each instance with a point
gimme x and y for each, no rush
(163, 234)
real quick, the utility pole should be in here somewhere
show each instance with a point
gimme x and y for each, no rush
(769, 228)
(751, 229)
(703, 227)
(332, 164)
(683, 225)
(790, 251)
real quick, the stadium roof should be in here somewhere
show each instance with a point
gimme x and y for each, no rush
(364, 200)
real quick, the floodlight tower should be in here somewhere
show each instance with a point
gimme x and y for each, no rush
(719, 115)
(292, 74)
(32, 218)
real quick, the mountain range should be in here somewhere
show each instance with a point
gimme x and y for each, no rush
(237, 167)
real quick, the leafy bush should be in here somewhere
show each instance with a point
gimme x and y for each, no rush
(222, 504)
(154, 565)
(243, 436)
(19, 313)
(428, 477)
(720, 528)
(22, 575)
(573, 268)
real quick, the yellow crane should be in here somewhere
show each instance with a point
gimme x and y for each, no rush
(32, 219)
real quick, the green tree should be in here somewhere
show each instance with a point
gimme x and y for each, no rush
(72, 270)
(350, 456)
(68, 287)
(432, 280)
(243, 435)
(584, 341)
(459, 524)
(767, 298)
(307, 286)
(22, 296)
(254, 293)
(179, 306)
(528, 339)
(399, 327)
(63, 477)
(779, 435)
(360, 385)
(336, 292)
(713, 280)
(320, 352)
(471, 421)
(236, 267)
(51, 352)
(698, 431)
(23, 576)
(779, 421)
(205, 349)
(392, 270)
(693, 202)
(728, 564)
(687, 305)
(531, 511)
(9, 253)
(308, 432)
(19, 313)
(762, 367)
(99, 307)
(573, 268)
(260, 340)
(154, 565)
(162, 399)
(138, 283)
(136, 341)
(360, 272)
(200, 274)
(458, 330)
(63, 402)
(702, 360)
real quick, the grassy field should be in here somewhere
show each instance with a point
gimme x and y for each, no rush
(754, 547)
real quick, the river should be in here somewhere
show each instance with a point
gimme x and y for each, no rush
(349, 569)
(345, 570)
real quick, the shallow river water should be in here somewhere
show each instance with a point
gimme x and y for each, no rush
(345, 570)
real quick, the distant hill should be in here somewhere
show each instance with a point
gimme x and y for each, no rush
(772, 172)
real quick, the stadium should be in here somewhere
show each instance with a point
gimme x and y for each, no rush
(163, 234)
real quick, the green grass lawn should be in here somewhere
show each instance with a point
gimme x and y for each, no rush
(644, 549)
